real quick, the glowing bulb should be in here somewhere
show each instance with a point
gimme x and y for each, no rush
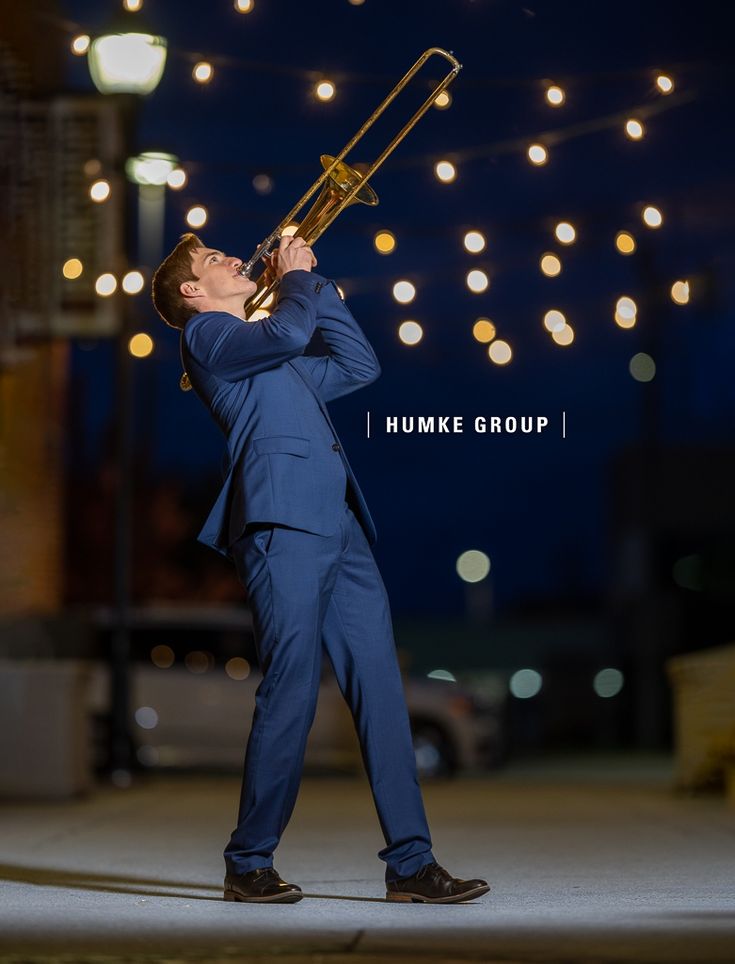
(140, 345)
(474, 242)
(499, 352)
(652, 217)
(384, 242)
(404, 292)
(132, 283)
(477, 281)
(555, 95)
(325, 90)
(642, 367)
(196, 217)
(625, 242)
(564, 337)
(105, 285)
(80, 44)
(445, 171)
(664, 83)
(99, 191)
(443, 100)
(565, 232)
(203, 72)
(680, 292)
(177, 178)
(72, 269)
(634, 129)
(537, 154)
(483, 330)
(244, 6)
(554, 320)
(410, 332)
(550, 265)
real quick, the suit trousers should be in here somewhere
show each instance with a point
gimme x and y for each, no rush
(306, 592)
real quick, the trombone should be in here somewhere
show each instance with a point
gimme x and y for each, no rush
(341, 184)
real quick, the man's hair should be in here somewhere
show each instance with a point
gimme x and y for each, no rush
(168, 300)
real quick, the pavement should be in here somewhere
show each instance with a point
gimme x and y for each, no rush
(595, 860)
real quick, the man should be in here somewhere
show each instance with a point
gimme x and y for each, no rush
(294, 522)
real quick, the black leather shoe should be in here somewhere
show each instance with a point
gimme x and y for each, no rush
(261, 885)
(433, 884)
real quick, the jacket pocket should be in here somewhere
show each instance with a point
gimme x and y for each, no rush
(290, 444)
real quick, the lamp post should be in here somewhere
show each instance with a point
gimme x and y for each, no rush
(127, 62)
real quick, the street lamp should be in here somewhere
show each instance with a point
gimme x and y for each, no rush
(127, 62)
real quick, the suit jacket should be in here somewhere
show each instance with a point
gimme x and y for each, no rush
(284, 461)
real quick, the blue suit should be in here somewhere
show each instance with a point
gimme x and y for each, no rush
(294, 522)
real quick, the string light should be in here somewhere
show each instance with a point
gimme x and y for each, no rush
(483, 330)
(106, 285)
(404, 292)
(550, 265)
(554, 321)
(680, 292)
(642, 367)
(477, 281)
(99, 191)
(410, 332)
(132, 283)
(80, 44)
(445, 171)
(565, 232)
(203, 72)
(664, 83)
(325, 90)
(140, 345)
(555, 95)
(72, 269)
(474, 242)
(537, 154)
(652, 217)
(177, 178)
(626, 312)
(443, 100)
(244, 6)
(384, 242)
(563, 337)
(634, 129)
(499, 352)
(263, 184)
(625, 242)
(196, 217)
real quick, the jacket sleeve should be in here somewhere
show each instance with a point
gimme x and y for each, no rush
(351, 363)
(233, 349)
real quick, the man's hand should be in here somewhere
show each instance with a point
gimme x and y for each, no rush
(293, 254)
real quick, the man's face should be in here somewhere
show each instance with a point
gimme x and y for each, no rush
(218, 277)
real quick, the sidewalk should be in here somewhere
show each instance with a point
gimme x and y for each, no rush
(602, 864)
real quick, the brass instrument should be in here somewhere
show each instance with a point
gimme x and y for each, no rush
(344, 184)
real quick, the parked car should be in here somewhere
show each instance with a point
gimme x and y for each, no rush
(189, 711)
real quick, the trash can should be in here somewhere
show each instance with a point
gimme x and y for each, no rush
(45, 728)
(704, 715)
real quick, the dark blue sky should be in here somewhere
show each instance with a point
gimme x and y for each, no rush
(537, 506)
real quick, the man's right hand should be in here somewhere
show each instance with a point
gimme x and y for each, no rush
(292, 254)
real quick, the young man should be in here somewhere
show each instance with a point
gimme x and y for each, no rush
(294, 522)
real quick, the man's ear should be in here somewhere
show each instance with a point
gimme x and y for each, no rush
(190, 289)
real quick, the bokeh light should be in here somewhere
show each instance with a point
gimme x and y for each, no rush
(473, 565)
(325, 90)
(477, 281)
(99, 191)
(80, 44)
(537, 154)
(550, 265)
(564, 336)
(554, 320)
(443, 100)
(608, 682)
(106, 284)
(140, 345)
(237, 668)
(642, 367)
(203, 72)
(72, 269)
(410, 332)
(162, 656)
(483, 330)
(555, 95)
(499, 352)
(625, 242)
(384, 242)
(652, 216)
(565, 232)
(634, 129)
(474, 242)
(404, 292)
(664, 83)
(176, 178)
(445, 171)
(680, 292)
(525, 683)
(196, 217)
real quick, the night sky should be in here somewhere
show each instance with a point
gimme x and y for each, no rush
(539, 506)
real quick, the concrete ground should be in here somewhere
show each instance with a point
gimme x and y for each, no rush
(588, 861)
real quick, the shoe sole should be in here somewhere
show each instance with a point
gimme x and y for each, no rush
(407, 897)
(290, 897)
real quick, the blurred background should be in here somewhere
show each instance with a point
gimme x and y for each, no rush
(554, 238)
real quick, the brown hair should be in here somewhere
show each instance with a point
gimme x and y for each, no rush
(168, 301)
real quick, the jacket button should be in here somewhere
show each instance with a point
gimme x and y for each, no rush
(335, 446)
